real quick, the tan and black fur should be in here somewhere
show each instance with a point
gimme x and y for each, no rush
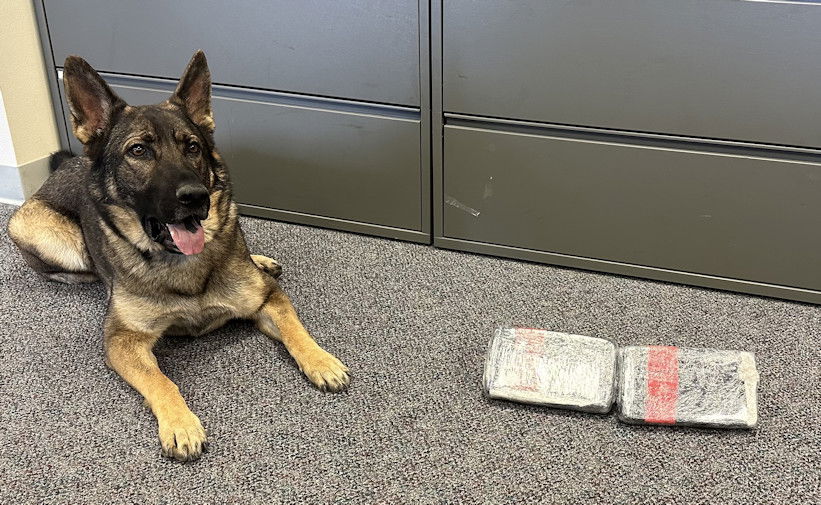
(88, 222)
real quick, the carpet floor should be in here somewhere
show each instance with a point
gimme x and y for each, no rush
(412, 322)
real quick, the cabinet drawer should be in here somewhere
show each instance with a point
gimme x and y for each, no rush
(726, 69)
(361, 49)
(743, 217)
(289, 153)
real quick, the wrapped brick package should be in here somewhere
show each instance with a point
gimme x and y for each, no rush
(551, 368)
(691, 387)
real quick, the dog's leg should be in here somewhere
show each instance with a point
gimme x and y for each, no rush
(267, 265)
(129, 353)
(51, 243)
(278, 319)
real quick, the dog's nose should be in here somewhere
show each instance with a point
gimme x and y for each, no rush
(192, 195)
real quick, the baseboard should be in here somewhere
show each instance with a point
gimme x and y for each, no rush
(17, 183)
(11, 189)
(11, 201)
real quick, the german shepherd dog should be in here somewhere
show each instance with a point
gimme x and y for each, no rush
(148, 210)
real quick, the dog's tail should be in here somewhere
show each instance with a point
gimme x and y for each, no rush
(57, 159)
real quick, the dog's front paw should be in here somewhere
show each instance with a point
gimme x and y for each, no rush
(324, 370)
(267, 265)
(182, 436)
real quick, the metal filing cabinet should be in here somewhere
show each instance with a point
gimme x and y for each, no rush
(674, 139)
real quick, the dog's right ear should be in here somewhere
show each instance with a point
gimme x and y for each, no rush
(91, 101)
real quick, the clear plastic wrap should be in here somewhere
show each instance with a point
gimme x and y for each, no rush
(691, 387)
(551, 368)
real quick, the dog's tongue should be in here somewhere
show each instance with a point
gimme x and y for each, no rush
(188, 242)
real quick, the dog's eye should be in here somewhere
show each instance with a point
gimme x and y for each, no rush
(193, 148)
(137, 150)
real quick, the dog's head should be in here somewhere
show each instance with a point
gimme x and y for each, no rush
(156, 159)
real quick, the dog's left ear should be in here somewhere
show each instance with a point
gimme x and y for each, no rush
(193, 93)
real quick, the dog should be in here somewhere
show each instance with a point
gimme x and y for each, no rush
(148, 211)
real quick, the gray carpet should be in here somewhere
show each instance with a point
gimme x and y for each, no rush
(412, 322)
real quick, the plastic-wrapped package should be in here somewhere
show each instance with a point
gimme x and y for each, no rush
(691, 387)
(551, 368)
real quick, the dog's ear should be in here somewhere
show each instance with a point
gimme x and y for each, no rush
(90, 100)
(193, 93)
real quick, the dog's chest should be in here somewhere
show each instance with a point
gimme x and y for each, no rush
(207, 312)
(197, 323)
(185, 314)
(237, 290)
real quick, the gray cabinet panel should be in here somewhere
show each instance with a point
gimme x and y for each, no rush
(726, 69)
(742, 217)
(362, 49)
(343, 165)
(299, 157)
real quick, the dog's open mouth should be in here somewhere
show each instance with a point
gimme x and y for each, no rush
(186, 237)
